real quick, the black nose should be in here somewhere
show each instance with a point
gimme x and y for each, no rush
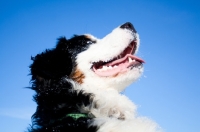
(129, 26)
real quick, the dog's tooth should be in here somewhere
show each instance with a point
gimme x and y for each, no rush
(99, 70)
(115, 66)
(130, 60)
(104, 68)
(134, 60)
(110, 67)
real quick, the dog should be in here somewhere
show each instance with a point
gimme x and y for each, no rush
(78, 84)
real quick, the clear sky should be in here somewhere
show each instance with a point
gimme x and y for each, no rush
(169, 90)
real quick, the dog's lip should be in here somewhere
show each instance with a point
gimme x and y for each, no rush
(120, 64)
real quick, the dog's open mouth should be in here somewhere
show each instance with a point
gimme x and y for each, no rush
(119, 64)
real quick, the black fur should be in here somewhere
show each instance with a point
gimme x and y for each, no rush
(55, 96)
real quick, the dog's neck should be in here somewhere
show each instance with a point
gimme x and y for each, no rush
(107, 103)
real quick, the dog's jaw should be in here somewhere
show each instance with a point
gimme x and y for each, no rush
(118, 65)
(111, 46)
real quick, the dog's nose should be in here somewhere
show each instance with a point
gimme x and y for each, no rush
(129, 26)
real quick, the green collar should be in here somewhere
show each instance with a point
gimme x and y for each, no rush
(76, 116)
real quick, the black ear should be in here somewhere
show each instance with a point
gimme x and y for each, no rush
(52, 64)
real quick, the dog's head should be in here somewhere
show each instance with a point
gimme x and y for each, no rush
(93, 63)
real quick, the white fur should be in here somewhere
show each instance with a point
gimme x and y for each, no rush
(139, 124)
(114, 112)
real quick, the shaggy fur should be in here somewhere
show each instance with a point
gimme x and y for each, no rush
(84, 76)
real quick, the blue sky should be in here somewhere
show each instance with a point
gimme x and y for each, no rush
(168, 92)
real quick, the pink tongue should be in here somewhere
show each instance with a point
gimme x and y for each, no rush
(122, 66)
(111, 72)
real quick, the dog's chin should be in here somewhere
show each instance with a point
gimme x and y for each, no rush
(124, 78)
(117, 80)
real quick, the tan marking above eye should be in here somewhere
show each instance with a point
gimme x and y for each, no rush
(88, 36)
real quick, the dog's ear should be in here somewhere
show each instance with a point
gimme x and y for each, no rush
(52, 64)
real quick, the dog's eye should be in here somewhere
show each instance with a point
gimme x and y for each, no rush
(89, 42)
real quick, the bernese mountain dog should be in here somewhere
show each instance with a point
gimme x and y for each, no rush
(78, 84)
